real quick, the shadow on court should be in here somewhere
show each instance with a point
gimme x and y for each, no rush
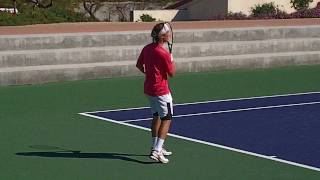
(81, 155)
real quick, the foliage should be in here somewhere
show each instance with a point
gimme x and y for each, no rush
(264, 10)
(270, 11)
(36, 15)
(307, 13)
(230, 16)
(300, 4)
(60, 11)
(147, 18)
(63, 11)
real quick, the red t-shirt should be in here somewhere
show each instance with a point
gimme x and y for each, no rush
(157, 63)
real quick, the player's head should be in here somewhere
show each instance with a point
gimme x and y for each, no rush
(161, 33)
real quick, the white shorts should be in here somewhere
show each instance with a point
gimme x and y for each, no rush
(161, 106)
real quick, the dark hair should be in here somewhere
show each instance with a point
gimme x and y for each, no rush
(155, 31)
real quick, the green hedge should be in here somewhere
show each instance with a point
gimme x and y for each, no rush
(41, 16)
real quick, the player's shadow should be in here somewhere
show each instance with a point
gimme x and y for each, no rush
(80, 155)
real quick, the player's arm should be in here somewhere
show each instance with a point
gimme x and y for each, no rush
(170, 66)
(140, 67)
(172, 71)
(140, 63)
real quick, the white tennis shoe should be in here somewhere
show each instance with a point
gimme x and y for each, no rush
(165, 152)
(158, 156)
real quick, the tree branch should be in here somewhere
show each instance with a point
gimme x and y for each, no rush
(91, 7)
(41, 5)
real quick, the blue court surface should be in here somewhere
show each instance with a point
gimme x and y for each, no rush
(284, 128)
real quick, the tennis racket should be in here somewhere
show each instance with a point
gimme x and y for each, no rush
(170, 43)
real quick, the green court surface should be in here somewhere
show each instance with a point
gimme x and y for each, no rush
(37, 118)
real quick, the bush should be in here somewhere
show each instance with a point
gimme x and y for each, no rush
(230, 16)
(281, 15)
(300, 4)
(6, 19)
(54, 14)
(307, 13)
(147, 18)
(264, 10)
(59, 14)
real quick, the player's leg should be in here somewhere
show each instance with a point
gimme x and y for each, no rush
(156, 122)
(158, 153)
(164, 128)
(155, 125)
(165, 111)
(162, 135)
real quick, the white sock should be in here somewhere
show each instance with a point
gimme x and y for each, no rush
(159, 145)
(154, 142)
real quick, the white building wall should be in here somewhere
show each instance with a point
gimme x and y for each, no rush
(159, 15)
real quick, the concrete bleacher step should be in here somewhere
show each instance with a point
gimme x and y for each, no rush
(126, 38)
(246, 47)
(250, 61)
(125, 53)
(68, 56)
(54, 73)
(72, 40)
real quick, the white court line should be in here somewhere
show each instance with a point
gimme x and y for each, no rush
(232, 110)
(210, 144)
(215, 101)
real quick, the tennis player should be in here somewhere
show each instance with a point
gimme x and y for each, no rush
(157, 65)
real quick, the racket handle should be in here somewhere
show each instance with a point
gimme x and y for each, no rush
(171, 57)
(170, 47)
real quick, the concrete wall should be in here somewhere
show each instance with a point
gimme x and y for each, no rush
(161, 15)
(34, 59)
(246, 5)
